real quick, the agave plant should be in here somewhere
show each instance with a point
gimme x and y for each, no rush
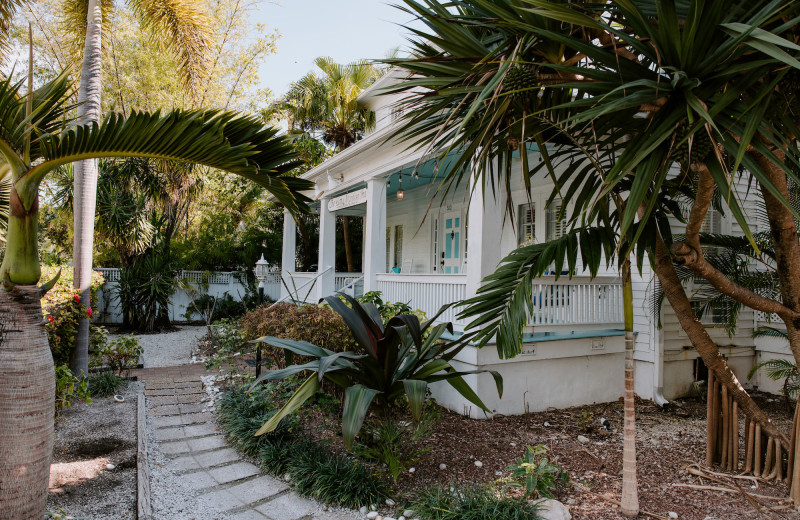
(401, 357)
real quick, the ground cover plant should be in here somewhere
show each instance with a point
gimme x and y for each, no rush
(393, 361)
(313, 467)
(470, 502)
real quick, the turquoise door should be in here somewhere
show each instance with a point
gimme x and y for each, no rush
(451, 252)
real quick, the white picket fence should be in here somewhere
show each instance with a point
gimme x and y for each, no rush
(218, 282)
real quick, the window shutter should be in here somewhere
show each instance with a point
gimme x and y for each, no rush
(555, 227)
(527, 224)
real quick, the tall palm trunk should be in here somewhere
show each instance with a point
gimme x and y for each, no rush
(86, 181)
(630, 492)
(27, 393)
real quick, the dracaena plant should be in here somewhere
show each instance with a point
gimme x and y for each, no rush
(401, 357)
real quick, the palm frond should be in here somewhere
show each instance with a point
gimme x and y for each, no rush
(185, 28)
(505, 300)
(74, 22)
(223, 140)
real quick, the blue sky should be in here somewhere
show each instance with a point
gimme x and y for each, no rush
(346, 30)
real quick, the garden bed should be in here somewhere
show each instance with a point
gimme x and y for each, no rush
(93, 473)
(668, 441)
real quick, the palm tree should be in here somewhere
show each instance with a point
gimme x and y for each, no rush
(327, 107)
(184, 26)
(642, 77)
(37, 137)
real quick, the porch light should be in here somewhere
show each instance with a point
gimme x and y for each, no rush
(400, 192)
(261, 271)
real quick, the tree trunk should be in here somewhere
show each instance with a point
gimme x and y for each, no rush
(630, 494)
(86, 182)
(348, 247)
(705, 346)
(27, 395)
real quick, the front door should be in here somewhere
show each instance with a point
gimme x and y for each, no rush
(451, 238)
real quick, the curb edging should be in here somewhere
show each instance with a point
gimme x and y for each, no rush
(144, 510)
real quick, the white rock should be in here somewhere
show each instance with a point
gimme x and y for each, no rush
(110, 466)
(362, 510)
(412, 470)
(401, 517)
(373, 507)
(513, 443)
(388, 518)
(672, 514)
(389, 502)
(582, 439)
(549, 509)
(442, 466)
(372, 514)
(287, 478)
(479, 463)
(546, 424)
(408, 513)
(498, 473)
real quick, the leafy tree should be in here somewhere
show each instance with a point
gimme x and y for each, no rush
(37, 137)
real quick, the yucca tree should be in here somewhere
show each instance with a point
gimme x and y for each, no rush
(647, 79)
(36, 137)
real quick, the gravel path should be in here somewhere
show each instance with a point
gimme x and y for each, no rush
(170, 349)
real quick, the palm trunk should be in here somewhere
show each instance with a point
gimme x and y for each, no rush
(27, 394)
(86, 182)
(630, 493)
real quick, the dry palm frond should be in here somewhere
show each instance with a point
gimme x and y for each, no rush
(75, 22)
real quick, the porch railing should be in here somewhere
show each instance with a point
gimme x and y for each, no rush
(426, 292)
(350, 283)
(579, 301)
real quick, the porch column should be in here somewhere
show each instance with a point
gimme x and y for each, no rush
(375, 233)
(288, 256)
(485, 232)
(327, 250)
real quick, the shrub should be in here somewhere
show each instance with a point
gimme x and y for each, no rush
(537, 474)
(470, 502)
(122, 354)
(393, 443)
(69, 387)
(63, 309)
(105, 384)
(144, 291)
(312, 323)
(394, 360)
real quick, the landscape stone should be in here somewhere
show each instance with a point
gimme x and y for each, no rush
(549, 509)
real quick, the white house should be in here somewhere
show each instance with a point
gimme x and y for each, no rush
(429, 254)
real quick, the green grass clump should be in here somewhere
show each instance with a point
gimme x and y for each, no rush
(333, 478)
(470, 502)
(105, 384)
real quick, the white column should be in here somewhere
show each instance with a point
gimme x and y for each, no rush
(288, 256)
(327, 250)
(484, 248)
(375, 233)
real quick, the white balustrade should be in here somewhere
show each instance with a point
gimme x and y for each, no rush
(350, 283)
(426, 292)
(303, 286)
(579, 301)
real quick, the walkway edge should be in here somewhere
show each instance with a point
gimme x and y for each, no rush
(144, 508)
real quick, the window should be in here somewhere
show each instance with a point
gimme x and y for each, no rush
(526, 233)
(713, 222)
(556, 223)
(398, 246)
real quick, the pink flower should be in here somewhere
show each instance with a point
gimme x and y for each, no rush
(51, 318)
(89, 312)
(58, 338)
(77, 298)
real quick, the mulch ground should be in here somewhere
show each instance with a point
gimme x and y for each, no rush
(668, 441)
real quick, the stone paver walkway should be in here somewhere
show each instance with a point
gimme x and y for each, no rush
(185, 431)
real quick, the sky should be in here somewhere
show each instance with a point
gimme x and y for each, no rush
(346, 30)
